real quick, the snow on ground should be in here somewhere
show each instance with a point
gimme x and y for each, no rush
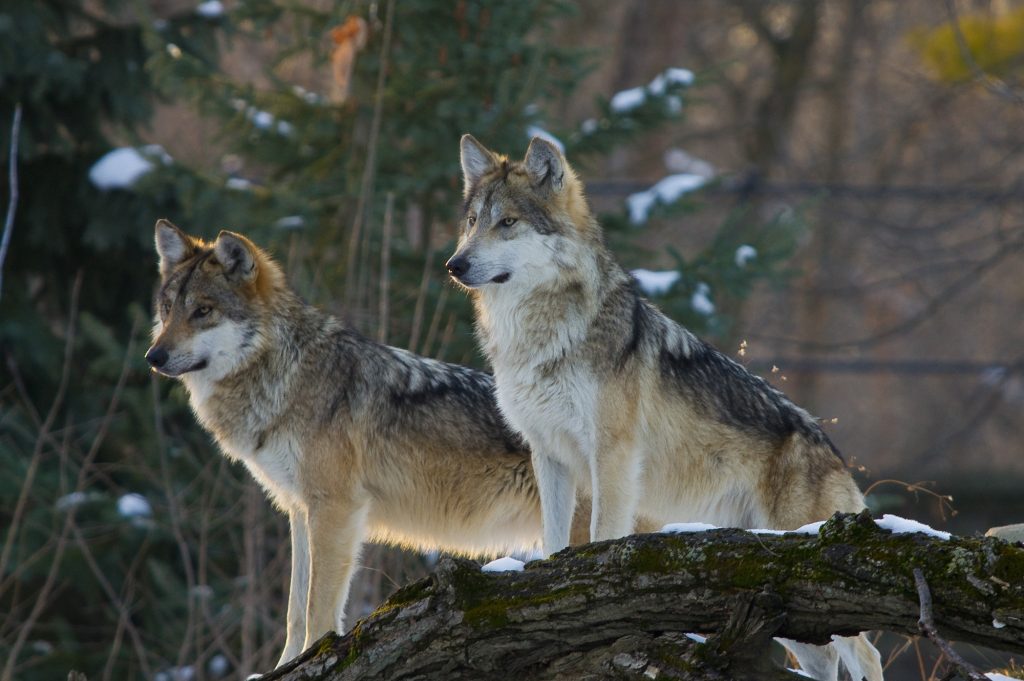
(655, 283)
(238, 183)
(589, 126)
(264, 120)
(133, 505)
(506, 564)
(210, 9)
(700, 301)
(682, 528)
(537, 131)
(745, 254)
(667, 190)
(121, 168)
(898, 525)
(696, 637)
(1000, 677)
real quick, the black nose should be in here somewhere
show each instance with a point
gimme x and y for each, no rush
(457, 266)
(156, 356)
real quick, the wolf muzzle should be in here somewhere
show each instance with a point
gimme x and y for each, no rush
(458, 266)
(157, 357)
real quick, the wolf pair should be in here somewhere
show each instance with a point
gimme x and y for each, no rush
(358, 441)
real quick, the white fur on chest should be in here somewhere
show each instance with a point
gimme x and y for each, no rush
(274, 463)
(555, 412)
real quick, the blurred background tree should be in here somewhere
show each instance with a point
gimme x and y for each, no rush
(328, 131)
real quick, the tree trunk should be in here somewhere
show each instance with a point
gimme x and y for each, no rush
(619, 609)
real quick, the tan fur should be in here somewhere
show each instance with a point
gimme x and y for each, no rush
(614, 398)
(354, 440)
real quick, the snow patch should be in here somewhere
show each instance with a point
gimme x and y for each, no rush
(745, 254)
(123, 167)
(763, 531)
(668, 190)
(186, 673)
(1000, 677)
(218, 666)
(627, 100)
(264, 120)
(537, 131)
(809, 528)
(589, 126)
(72, 500)
(134, 505)
(238, 183)
(898, 525)
(291, 222)
(696, 637)
(996, 624)
(210, 9)
(681, 528)
(655, 283)
(670, 76)
(678, 161)
(700, 301)
(506, 564)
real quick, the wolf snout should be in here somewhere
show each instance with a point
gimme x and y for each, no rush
(458, 266)
(157, 357)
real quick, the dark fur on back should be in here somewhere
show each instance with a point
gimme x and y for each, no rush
(718, 387)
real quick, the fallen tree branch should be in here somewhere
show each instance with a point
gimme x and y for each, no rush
(617, 609)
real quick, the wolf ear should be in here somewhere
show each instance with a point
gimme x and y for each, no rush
(545, 164)
(172, 245)
(237, 256)
(477, 161)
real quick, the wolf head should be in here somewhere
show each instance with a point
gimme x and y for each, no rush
(210, 303)
(523, 221)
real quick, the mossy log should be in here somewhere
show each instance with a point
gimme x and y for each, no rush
(619, 609)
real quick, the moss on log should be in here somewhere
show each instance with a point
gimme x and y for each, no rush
(618, 609)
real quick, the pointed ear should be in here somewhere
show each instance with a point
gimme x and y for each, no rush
(477, 161)
(545, 164)
(172, 245)
(237, 255)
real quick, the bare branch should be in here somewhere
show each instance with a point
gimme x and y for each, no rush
(12, 202)
(926, 623)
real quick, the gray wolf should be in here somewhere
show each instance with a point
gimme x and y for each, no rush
(614, 398)
(352, 439)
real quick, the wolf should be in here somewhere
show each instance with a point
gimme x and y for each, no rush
(617, 400)
(352, 439)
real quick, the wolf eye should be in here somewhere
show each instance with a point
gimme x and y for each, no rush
(471, 220)
(201, 311)
(508, 222)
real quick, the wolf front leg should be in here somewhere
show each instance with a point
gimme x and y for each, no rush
(557, 501)
(336, 532)
(298, 591)
(615, 479)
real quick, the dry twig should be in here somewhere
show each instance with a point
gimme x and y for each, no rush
(926, 623)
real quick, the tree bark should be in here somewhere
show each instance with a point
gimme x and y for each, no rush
(619, 609)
